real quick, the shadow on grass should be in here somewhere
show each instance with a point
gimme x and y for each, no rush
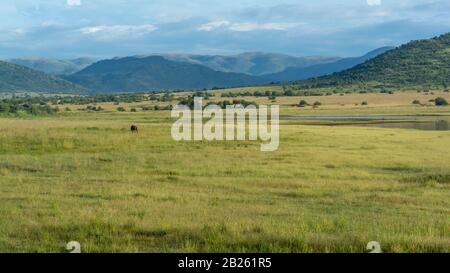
(100, 236)
(440, 178)
(18, 168)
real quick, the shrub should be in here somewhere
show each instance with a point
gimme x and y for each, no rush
(121, 109)
(146, 108)
(303, 103)
(440, 102)
(416, 102)
(317, 104)
(364, 103)
(133, 110)
(20, 108)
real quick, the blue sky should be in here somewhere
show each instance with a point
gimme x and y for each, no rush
(108, 28)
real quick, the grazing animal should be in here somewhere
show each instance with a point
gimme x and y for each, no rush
(134, 129)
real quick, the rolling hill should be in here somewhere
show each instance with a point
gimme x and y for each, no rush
(424, 63)
(17, 78)
(302, 73)
(154, 73)
(54, 66)
(251, 63)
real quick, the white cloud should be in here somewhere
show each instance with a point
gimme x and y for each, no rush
(19, 31)
(73, 2)
(245, 26)
(118, 31)
(50, 23)
(264, 26)
(374, 2)
(213, 25)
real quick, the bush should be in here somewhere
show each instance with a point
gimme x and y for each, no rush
(16, 107)
(121, 109)
(133, 110)
(364, 103)
(146, 108)
(302, 103)
(317, 104)
(416, 102)
(440, 102)
(93, 108)
(163, 108)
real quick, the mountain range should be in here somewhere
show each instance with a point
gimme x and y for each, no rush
(423, 62)
(177, 71)
(54, 66)
(302, 73)
(154, 73)
(17, 78)
(418, 63)
(251, 63)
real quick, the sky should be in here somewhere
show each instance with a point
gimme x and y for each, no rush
(108, 28)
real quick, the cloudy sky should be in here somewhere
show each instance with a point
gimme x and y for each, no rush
(108, 28)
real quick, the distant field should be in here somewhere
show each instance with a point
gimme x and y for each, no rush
(397, 103)
(82, 176)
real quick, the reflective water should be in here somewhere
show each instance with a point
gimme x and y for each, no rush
(428, 123)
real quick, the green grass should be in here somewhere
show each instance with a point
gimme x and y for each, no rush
(84, 177)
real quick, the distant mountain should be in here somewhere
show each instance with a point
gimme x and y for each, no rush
(54, 66)
(134, 74)
(17, 78)
(302, 73)
(252, 63)
(418, 63)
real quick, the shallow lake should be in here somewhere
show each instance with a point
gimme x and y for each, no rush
(428, 123)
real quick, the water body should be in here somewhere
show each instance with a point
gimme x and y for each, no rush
(417, 122)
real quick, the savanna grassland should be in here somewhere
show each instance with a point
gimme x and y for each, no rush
(82, 176)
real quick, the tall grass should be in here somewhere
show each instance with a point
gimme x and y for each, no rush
(85, 177)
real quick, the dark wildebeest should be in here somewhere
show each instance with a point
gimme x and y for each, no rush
(134, 129)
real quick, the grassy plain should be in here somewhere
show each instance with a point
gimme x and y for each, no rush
(83, 176)
(378, 103)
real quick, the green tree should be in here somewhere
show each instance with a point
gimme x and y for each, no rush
(303, 103)
(440, 102)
